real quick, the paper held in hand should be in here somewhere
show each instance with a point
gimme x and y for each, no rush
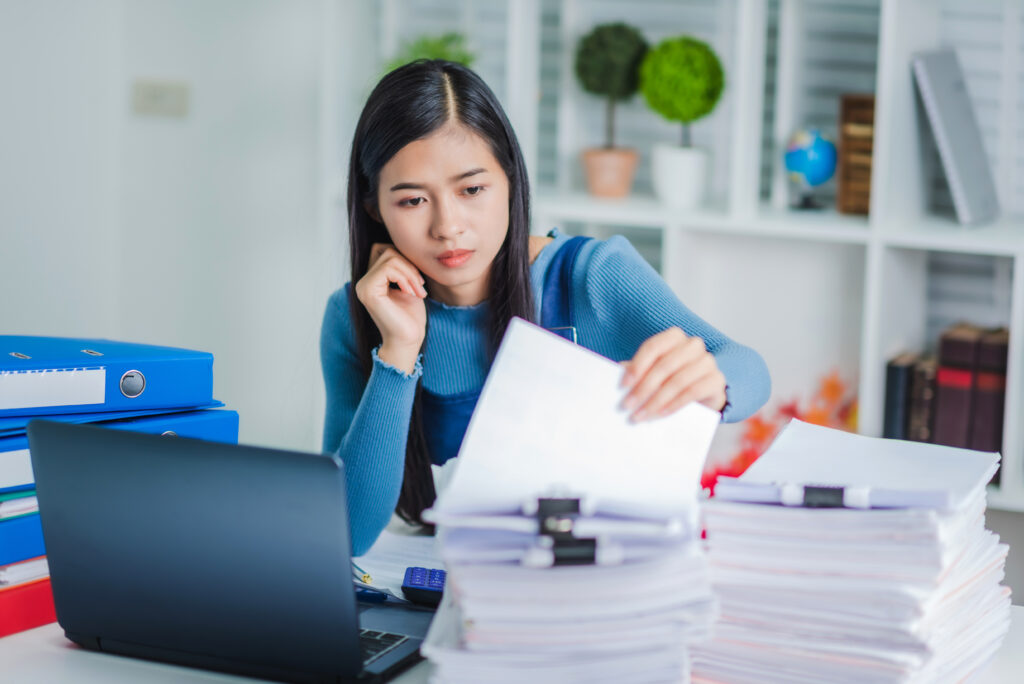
(548, 423)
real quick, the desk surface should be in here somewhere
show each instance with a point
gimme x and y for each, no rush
(44, 655)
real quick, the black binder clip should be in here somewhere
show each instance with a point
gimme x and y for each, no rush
(556, 519)
(822, 496)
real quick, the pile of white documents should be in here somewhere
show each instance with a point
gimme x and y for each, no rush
(569, 535)
(901, 583)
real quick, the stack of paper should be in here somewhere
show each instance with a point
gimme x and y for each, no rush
(908, 592)
(547, 432)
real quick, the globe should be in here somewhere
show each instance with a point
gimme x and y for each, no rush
(810, 158)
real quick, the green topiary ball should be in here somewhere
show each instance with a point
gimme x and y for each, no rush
(682, 79)
(607, 59)
(448, 46)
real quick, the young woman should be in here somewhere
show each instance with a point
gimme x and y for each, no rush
(442, 258)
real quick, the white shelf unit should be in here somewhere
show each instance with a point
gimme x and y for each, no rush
(812, 291)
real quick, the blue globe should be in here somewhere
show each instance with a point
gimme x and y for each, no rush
(810, 157)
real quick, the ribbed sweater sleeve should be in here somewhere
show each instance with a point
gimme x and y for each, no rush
(366, 423)
(621, 301)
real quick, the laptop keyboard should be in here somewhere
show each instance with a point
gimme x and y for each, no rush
(375, 644)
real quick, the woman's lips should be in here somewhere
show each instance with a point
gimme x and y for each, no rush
(455, 257)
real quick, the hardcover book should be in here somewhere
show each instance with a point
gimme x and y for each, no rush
(955, 379)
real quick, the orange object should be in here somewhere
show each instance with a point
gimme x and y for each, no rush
(26, 606)
(830, 407)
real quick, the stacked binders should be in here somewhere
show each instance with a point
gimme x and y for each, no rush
(144, 388)
(846, 558)
(569, 536)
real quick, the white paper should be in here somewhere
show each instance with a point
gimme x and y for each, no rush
(391, 554)
(548, 422)
(25, 571)
(19, 506)
(897, 472)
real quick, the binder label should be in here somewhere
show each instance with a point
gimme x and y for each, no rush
(15, 469)
(52, 387)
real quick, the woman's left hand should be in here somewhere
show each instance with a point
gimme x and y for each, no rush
(667, 372)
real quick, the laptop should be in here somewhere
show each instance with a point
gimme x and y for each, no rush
(219, 556)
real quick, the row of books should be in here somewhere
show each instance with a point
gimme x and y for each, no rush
(954, 397)
(144, 388)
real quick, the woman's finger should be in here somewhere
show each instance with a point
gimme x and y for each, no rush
(391, 261)
(708, 387)
(674, 386)
(664, 366)
(649, 352)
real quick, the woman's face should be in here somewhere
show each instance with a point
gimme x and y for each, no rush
(444, 202)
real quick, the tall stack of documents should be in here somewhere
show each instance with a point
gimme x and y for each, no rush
(846, 558)
(145, 388)
(569, 535)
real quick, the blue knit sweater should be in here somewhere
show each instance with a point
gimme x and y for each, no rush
(619, 301)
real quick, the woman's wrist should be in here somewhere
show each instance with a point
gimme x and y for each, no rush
(402, 357)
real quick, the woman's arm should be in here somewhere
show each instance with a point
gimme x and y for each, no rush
(366, 425)
(621, 302)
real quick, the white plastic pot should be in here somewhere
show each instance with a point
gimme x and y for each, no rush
(679, 175)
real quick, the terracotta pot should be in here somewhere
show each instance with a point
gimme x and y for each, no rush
(610, 171)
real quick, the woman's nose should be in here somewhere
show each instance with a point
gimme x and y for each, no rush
(447, 223)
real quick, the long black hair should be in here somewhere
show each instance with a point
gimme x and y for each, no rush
(409, 104)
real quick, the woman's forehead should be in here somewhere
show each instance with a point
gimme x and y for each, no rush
(440, 157)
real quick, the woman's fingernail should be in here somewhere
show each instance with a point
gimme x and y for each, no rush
(627, 379)
(639, 416)
(630, 403)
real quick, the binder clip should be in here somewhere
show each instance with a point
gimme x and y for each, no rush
(566, 331)
(555, 521)
(824, 496)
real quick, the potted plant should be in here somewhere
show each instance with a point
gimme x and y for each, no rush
(448, 46)
(681, 79)
(607, 60)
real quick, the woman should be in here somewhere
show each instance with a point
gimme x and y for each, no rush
(442, 258)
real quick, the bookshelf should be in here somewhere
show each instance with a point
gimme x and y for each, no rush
(812, 291)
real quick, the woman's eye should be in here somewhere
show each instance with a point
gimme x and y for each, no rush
(414, 202)
(474, 190)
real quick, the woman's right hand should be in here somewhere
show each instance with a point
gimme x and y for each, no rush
(400, 313)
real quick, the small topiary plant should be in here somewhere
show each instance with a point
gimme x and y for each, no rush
(448, 46)
(607, 60)
(682, 79)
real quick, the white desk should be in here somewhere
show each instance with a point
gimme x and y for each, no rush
(44, 655)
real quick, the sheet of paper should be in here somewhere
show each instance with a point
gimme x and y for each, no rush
(811, 454)
(391, 554)
(548, 422)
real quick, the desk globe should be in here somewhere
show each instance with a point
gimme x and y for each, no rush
(810, 160)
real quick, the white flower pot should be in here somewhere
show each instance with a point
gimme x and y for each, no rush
(679, 175)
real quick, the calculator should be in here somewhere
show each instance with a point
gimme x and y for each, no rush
(423, 586)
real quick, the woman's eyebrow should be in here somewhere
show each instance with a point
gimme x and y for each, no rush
(454, 179)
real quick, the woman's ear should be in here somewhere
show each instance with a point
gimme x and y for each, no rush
(371, 208)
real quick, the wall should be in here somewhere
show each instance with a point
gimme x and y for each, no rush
(222, 230)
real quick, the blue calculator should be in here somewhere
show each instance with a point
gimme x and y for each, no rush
(423, 586)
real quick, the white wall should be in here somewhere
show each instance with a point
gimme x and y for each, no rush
(58, 196)
(220, 231)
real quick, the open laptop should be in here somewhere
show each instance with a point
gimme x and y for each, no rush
(219, 556)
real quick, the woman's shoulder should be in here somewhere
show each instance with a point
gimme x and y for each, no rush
(537, 244)
(338, 301)
(615, 254)
(337, 332)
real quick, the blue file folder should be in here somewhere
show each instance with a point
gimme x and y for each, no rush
(51, 375)
(15, 425)
(20, 539)
(211, 425)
